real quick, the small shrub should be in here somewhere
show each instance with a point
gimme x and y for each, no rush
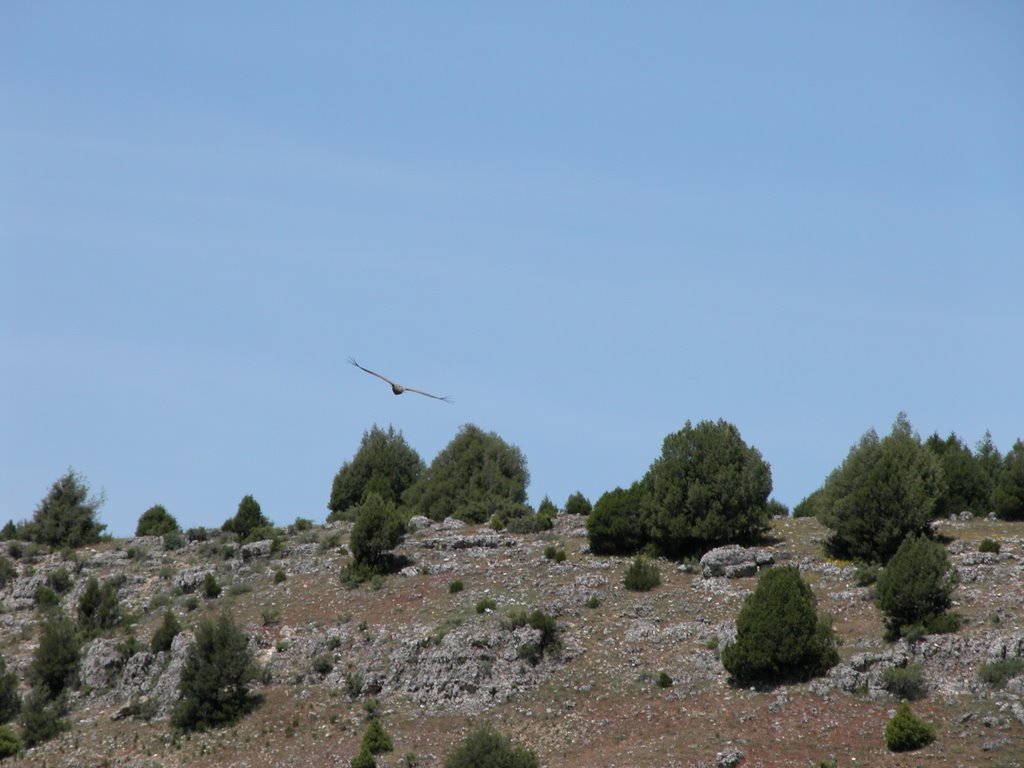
(577, 504)
(905, 732)
(59, 581)
(353, 684)
(279, 576)
(8, 571)
(989, 545)
(642, 576)
(156, 521)
(197, 534)
(46, 597)
(10, 699)
(867, 574)
(211, 589)
(191, 603)
(905, 682)
(323, 664)
(455, 587)
(551, 552)
(485, 605)
(375, 739)
(371, 707)
(173, 541)
(270, 615)
(236, 590)
(10, 742)
(164, 636)
(364, 759)
(593, 602)
(998, 673)
(42, 718)
(664, 680)
(484, 747)
(548, 642)
(301, 524)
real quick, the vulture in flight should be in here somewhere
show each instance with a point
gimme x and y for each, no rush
(397, 388)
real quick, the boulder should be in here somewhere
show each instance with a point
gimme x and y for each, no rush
(256, 549)
(101, 663)
(735, 562)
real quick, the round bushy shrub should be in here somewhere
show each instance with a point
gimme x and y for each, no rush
(708, 487)
(989, 545)
(905, 732)
(905, 682)
(486, 748)
(915, 587)
(156, 521)
(578, 504)
(779, 635)
(641, 576)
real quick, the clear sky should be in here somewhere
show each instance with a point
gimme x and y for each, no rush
(585, 222)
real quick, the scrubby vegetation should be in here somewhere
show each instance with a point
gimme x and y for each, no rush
(906, 732)
(484, 747)
(641, 576)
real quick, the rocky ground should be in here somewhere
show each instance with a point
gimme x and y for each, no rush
(436, 666)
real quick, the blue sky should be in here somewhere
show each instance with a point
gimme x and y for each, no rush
(585, 222)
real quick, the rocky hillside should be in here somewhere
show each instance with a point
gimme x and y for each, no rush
(437, 659)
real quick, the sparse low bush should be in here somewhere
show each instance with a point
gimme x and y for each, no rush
(642, 576)
(323, 664)
(211, 588)
(905, 682)
(456, 586)
(10, 743)
(59, 581)
(998, 673)
(989, 545)
(548, 642)
(164, 636)
(905, 732)
(593, 602)
(664, 680)
(279, 576)
(353, 684)
(10, 699)
(485, 605)
(8, 572)
(551, 552)
(173, 540)
(42, 718)
(866, 574)
(375, 739)
(484, 747)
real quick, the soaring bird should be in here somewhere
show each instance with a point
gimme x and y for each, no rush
(397, 388)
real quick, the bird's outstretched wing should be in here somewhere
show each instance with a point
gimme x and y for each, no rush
(436, 397)
(398, 388)
(374, 373)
